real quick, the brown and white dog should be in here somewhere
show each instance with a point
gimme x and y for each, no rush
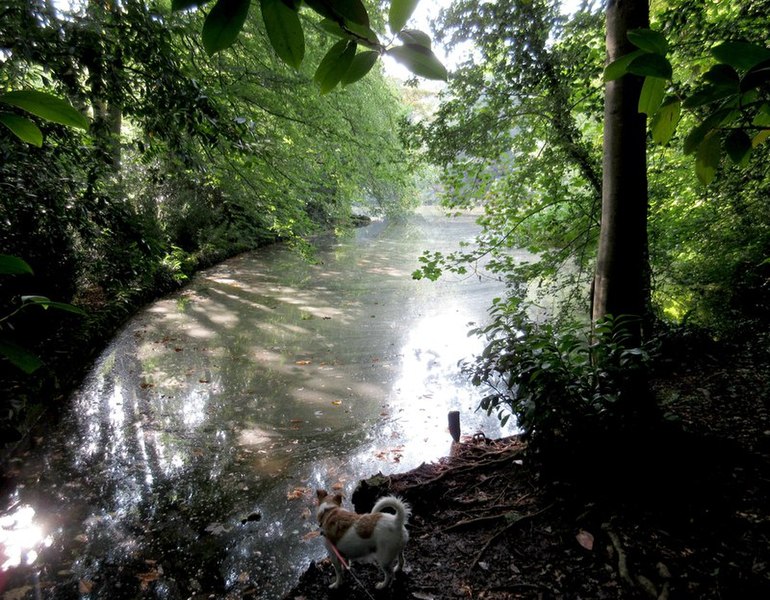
(378, 534)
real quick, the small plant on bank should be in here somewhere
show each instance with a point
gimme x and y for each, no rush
(569, 388)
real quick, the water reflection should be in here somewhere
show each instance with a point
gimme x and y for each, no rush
(21, 537)
(266, 377)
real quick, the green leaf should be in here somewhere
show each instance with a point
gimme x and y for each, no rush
(665, 120)
(708, 94)
(651, 65)
(649, 41)
(740, 55)
(415, 36)
(708, 157)
(23, 128)
(653, 90)
(617, 68)
(695, 137)
(723, 75)
(420, 61)
(223, 24)
(13, 265)
(330, 26)
(350, 31)
(46, 303)
(185, 4)
(323, 8)
(334, 65)
(756, 77)
(284, 31)
(760, 138)
(21, 358)
(353, 11)
(362, 32)
(400, 11)
(738, 147)
(46, 106)
(361, 64)
(762, 118)
(337, 10)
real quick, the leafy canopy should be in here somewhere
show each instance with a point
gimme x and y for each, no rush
(348, 20)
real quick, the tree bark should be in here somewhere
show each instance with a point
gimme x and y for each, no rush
(621, 285)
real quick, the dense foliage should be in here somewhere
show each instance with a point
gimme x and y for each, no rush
(519, 132)
(567, 388)
(187, 159)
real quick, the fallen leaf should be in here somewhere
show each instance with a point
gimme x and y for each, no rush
(585, 539)
(336, 402)
(217, 529)
(303, 363)
(311, 535)
(20, 592)
(85, 586)
(296, 493)
(145, 579)
(338, 486)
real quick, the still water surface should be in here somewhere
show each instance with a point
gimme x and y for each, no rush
(186, 464)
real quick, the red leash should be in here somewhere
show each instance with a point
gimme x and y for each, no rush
(337, 552)
(346, 565)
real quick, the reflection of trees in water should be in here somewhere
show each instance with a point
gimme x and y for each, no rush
(187, 426)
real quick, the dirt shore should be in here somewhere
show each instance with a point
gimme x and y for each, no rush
(485, 526)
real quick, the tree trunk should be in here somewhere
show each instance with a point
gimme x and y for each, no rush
(621, 285)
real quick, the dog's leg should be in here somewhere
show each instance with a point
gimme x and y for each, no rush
(400, 563)
(337, 567)
(387, 570)
(337, 572)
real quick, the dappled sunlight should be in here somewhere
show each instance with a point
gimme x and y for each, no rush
(265, 377)
(22, 536)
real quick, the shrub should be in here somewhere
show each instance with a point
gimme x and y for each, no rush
(568, 387)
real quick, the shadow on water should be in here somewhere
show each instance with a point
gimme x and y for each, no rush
(186, 464)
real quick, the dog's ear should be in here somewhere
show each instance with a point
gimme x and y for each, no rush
(321, 494)
(337, 499)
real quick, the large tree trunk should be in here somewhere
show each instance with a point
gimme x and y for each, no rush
(621, 286)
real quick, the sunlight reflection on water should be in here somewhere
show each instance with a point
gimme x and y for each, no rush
(266, 377)
(21, 537)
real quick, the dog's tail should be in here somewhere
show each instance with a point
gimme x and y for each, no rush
(402, 509)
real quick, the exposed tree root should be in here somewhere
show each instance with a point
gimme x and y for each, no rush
(513, 519)
(641, 581)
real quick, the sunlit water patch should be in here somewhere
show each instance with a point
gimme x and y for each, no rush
(187, 463)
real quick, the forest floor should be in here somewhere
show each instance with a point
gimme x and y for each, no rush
(692, 519)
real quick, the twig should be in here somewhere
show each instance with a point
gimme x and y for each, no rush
(502, 530)
(477, 520)
(622, 564)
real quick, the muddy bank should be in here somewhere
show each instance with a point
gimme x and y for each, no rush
(485, 527)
